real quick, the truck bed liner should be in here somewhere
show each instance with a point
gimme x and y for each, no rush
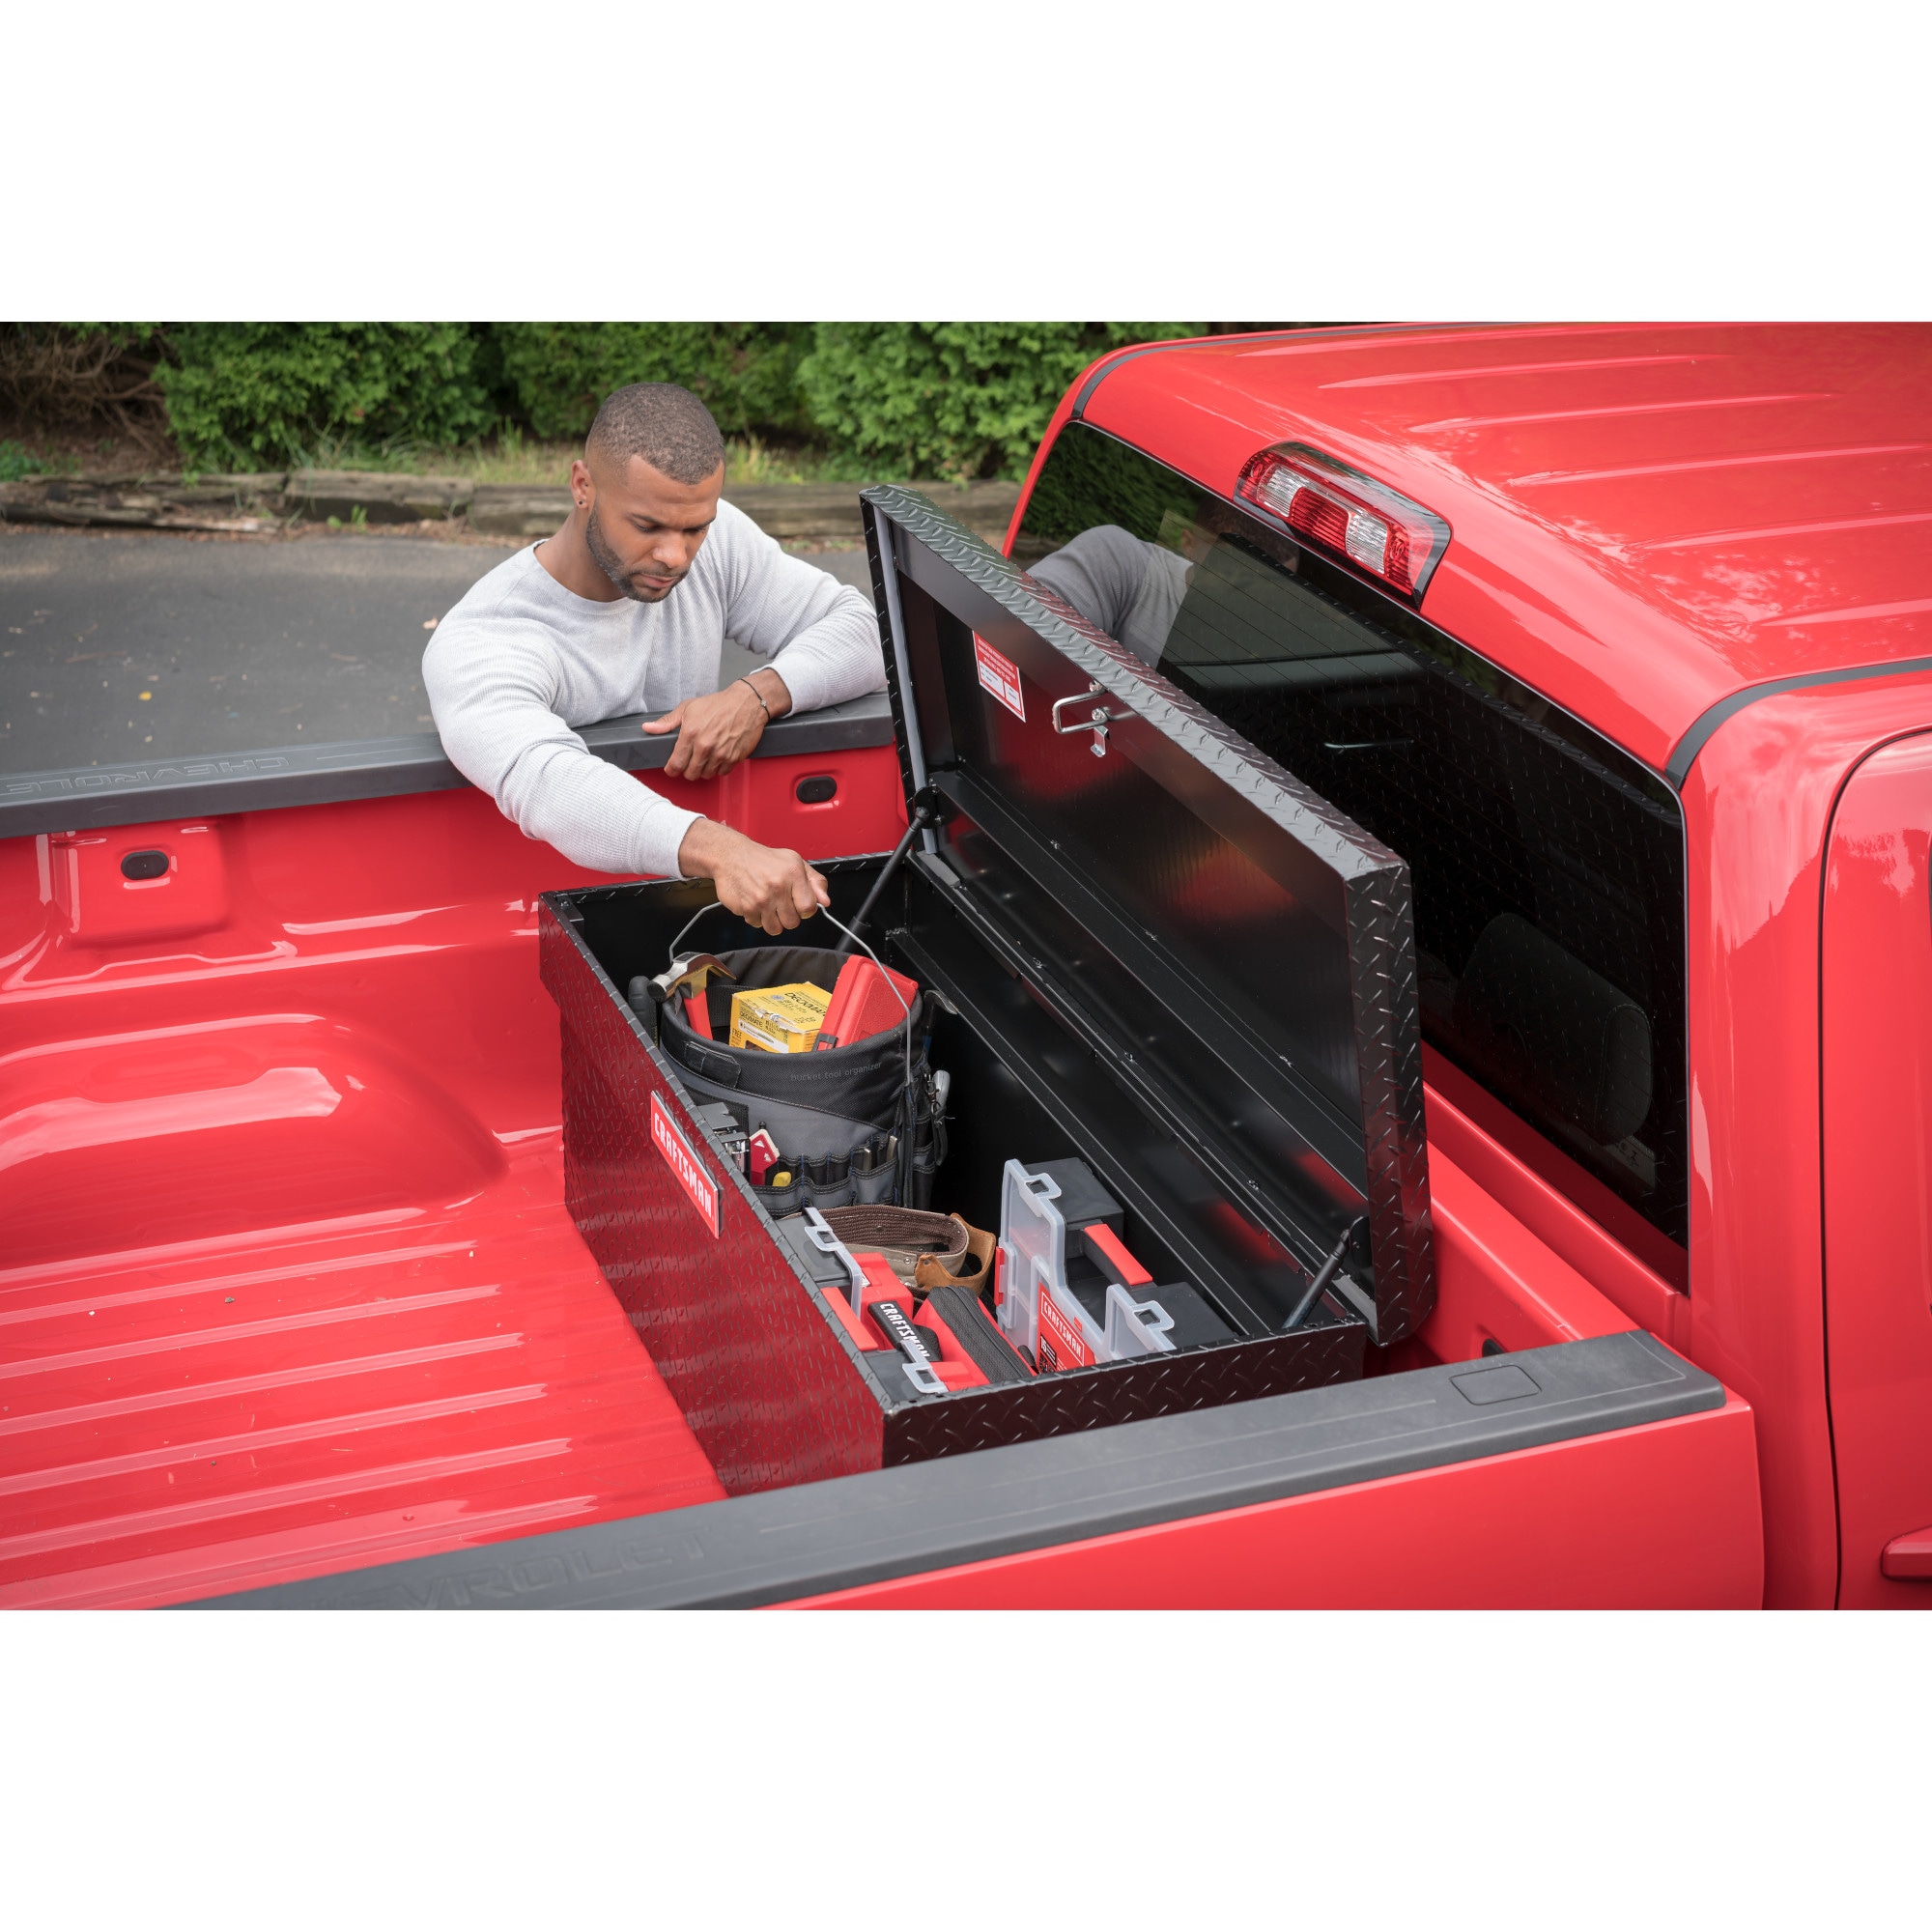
(181, 1419)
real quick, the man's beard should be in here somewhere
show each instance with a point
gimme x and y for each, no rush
(606, 560)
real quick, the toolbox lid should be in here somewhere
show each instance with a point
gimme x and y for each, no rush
(1251, 947)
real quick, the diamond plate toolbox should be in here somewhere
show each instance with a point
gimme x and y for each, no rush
(1145, 947)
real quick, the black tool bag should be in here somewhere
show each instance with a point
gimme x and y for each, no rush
(849, 1124)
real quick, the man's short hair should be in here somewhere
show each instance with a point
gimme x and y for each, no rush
(667, 426)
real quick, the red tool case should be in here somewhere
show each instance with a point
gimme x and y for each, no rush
(1150, 949)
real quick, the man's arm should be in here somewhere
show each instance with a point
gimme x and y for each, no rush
(765, 885)
(491, 692)
(822, 635)
(491, 696)
(717, 728)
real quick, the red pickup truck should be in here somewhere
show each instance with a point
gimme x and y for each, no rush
(1617, 635)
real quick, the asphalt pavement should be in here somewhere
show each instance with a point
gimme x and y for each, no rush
(117, 646)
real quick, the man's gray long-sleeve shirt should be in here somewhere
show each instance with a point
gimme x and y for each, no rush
(1130, 588)
(520, 660)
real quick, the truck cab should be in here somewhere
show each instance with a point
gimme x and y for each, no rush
(1615, 636)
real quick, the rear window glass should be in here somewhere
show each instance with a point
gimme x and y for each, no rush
(1548, 865)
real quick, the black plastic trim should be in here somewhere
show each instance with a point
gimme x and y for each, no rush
(1324, 331)
(778, 1546)
(1701, 732)
(290, 775)
(1108, 367)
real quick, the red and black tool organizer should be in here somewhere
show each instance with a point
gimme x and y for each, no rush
(1169, 960)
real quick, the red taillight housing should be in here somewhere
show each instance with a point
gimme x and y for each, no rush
(1338, 509)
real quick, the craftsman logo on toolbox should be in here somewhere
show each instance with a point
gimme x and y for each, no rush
(1000, 676)
(683, 1163)
(1061, 1345)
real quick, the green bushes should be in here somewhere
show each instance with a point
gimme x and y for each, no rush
(949, 399)
(257, 395)
(746, 372)
(17, 461)
(959, 399)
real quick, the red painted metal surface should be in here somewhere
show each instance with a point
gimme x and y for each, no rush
(1475, 1140)
(1646, 517)
(217, 1414)
(1497, 1282)
(98, 904)
(1663, 1516)
(865, 813)
(1757, 807)
(286, 1279)
(291, 1287)
(1909, 1559)
(1878, 1170)
(1648, 520)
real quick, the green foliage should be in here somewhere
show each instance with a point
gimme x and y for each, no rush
(953, 399)
(17, 461)
(746, 372)
(959, 399)
(253, 395)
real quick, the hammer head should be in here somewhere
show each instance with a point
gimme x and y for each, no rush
(689, 972)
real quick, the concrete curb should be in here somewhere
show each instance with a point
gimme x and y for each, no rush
(800, 515)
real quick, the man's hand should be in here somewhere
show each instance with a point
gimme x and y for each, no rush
(764, 885)
(715, 731)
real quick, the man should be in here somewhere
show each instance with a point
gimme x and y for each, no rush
(1130, 588)
(625, 609)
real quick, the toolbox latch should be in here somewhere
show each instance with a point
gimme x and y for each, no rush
(1096, 722)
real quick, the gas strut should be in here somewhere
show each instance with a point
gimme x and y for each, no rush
(1323, 1275)
(925, 812)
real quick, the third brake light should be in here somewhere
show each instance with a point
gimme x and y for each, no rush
(1338, 509)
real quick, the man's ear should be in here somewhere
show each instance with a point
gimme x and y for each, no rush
(583, 492)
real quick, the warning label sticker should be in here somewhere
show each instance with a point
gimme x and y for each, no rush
(685, 1164)
(1061, 1345)
(1000, 676)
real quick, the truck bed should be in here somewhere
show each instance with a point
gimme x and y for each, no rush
(287, 1283)
(244, 1408)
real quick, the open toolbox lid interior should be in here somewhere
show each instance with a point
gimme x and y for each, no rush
(1239, 955)
(1175, 998)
